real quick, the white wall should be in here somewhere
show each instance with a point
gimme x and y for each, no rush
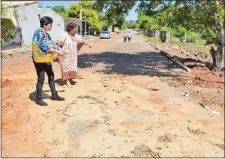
(58, 23)
(28, 21)
(72, 20)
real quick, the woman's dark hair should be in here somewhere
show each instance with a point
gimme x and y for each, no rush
(70, 26)
(45, 21)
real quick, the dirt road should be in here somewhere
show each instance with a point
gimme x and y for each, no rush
(119, 107)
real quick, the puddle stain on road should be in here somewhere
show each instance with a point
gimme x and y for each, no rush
(81, 128)
(139, 115)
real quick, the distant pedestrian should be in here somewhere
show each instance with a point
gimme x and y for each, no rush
(129, 36)
(125, 37)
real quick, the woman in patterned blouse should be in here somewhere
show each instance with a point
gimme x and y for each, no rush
(41, 68)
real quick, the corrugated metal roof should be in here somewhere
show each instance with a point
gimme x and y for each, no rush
(18, 3)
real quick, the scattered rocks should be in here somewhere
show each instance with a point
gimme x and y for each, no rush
(46, 115)
(124, 81)
(165, 138)
(116, 102)
(106, 119)
(158, 147)
(145, 151)
(195, 131)
(154, 88)
(186, 94)
(111, 131)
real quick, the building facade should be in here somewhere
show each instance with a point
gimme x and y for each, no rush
(24, 18)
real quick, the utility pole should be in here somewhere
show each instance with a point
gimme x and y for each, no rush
(81, 22)
(85, 25)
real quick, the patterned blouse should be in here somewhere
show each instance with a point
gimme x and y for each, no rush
(45, 42)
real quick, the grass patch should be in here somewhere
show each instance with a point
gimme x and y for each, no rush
(199, 47)
(153, 39)
(195, 47)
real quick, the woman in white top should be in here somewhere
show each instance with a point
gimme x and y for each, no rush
(70, 42)
(129, 36)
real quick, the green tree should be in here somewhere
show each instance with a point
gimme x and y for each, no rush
(4, 9)
(113, 10)
(124, 25)
(61, 10)
(180, 32)
(195, 15)
(131, 24)
(209, 34)
(120, 20)
(88, 13)
(147, 24)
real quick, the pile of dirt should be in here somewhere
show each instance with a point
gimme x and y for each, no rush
(199, 53)
(204, 85)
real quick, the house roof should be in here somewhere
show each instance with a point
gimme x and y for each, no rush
(40, 10)
(18, 3)
(69, 18)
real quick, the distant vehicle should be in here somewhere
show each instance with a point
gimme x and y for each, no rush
(105, 35)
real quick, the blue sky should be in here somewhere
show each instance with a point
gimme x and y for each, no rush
(132, 15)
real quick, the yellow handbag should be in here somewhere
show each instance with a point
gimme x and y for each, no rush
(38, 55)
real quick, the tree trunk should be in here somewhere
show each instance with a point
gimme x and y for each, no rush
(219, 58)
(218, 54)
(113, 28)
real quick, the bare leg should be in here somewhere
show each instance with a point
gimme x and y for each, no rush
(67, 84)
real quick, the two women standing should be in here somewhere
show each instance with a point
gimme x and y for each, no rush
(66, 51)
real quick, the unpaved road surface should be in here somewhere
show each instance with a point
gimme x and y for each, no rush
(118, 108)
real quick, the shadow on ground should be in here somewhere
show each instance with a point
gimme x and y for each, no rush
(142, 63)
(32, 95)
(60, 82)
